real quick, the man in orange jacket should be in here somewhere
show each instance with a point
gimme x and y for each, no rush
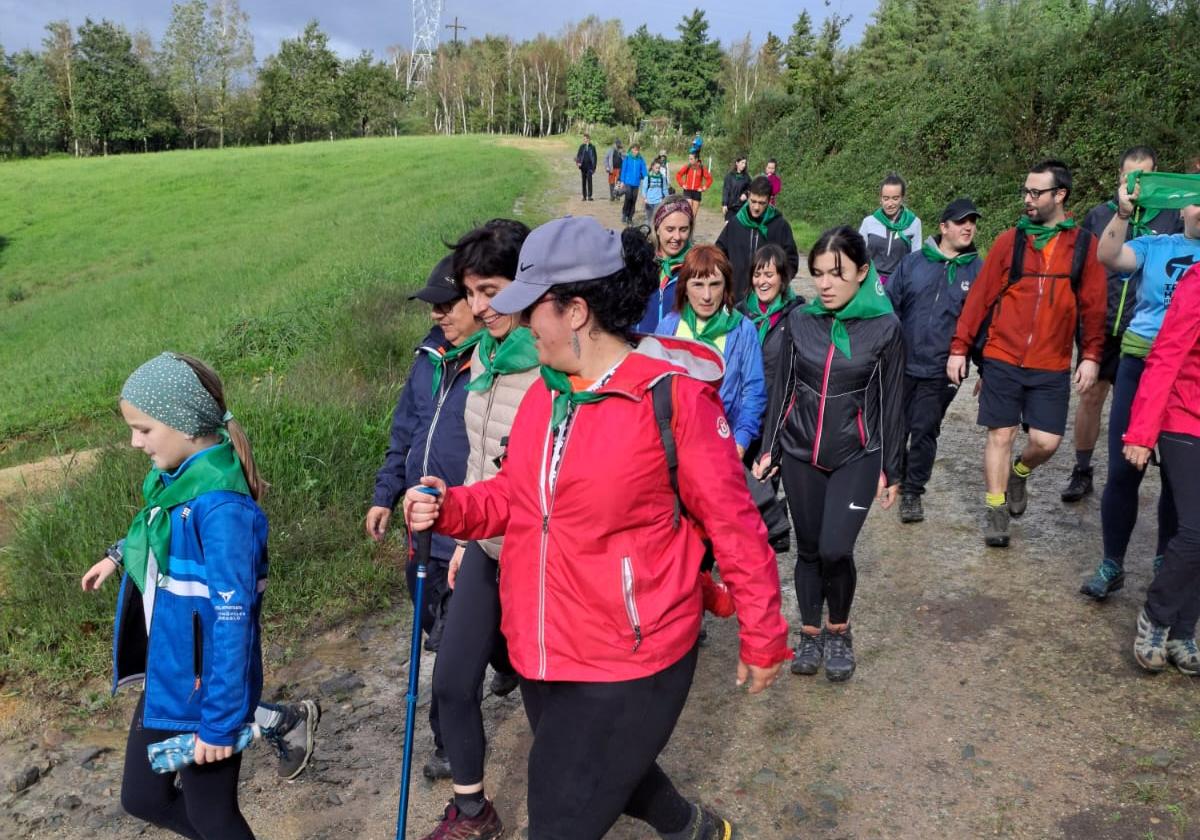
(1026, 366)
(694, 179)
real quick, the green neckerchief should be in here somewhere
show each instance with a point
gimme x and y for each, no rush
(1165, 190)
(1041, 233)
(452, 355)
(565, 394)
(935, 255)
(761, 319)
(721, 322)
(870, 301)
(906, 218)
(1139, 222)
(668, 265)
(215, 468)
(760, 225)
(513, 355)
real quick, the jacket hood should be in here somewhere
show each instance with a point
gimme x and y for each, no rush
(657, 356)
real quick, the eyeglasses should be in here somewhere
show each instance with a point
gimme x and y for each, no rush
(443, 309)
(527, 312)
(1034, 193)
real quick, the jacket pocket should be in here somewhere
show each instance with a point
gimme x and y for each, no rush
(631, 610)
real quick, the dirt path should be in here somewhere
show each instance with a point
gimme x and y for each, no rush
(991, 701)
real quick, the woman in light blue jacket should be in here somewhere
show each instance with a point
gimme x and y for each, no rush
(654, 189)
(705, 311)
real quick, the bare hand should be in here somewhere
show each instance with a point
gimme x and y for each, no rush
(1125, 199)
(956, 368)
(208, 753)
(741, 451)
(1139, 456)
(762, 469)
(421, 509)
(455, 562)
(887, 494)
(760, 678)
(978, 387)
(378, 518)
(1086, 375)
(94, 577)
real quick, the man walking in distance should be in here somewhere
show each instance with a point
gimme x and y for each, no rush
(612, 167)
(927, 291)
(1122, 295)
(1037, 283)
(755, 225)
(585, 159)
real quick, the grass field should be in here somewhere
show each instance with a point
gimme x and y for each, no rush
(288, 269)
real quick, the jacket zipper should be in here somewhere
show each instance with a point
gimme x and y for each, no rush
(442, 394)
(821, 407)
(546, 501)
(631, 609)
(1037, 306)
(197, 652)
(487, 416)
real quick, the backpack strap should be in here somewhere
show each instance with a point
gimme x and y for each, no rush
(1018, 259)
(662, 394)
(1079, 259)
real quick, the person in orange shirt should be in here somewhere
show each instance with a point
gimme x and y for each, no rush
(1039, 280)
(694, 179)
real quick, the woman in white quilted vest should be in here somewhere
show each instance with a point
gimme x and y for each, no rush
(504, 365)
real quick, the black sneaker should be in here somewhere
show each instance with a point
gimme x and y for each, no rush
(1109, 578)
(809, 654)
(911, 509)
(713, 826)
(839, 655)
(1017, 493)
(437, 766)
(503, 684)
(995, 530)
(293, 737)
(1080, 484)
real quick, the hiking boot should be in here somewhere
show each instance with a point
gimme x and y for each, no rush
(503, 684)
(712, 826)
(839, 655)
(1184, 655)
(437, 767)
(995, 530)
(1017, 494)
(1150, 645)
(1080, 484)
(1109, 578)
(456, 825)
(809, 654)
(911, 509)
(293, 737)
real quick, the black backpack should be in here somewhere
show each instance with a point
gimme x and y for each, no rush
(1017, 270)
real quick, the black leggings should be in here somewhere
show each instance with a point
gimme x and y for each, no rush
(1173, 599)
(595, 750)
(470, 641)
(630, 206)
(206, 808)
(828, 511)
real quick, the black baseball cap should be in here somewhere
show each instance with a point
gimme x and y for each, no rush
(440, 287)
(959, 209)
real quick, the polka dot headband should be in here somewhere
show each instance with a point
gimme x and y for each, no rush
(168, 390)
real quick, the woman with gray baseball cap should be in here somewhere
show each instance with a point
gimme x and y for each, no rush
(598, 579)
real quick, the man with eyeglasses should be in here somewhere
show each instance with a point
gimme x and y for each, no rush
(1039, 280)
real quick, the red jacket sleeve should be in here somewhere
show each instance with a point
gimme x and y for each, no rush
(476, 512)
(713, 487)
(984, 291)
(1093, 305)
(1175, 342)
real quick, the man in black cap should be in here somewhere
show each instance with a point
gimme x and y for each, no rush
(429, 438)
(927, 291)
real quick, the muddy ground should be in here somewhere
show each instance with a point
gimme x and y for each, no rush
(991, 700)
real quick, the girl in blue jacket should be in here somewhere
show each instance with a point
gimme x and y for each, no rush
(187, 624)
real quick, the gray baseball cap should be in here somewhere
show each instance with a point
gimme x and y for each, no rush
(566, 250)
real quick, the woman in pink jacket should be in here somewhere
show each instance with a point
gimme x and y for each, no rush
(598, 579)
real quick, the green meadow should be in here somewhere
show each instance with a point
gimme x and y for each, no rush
(288, 269)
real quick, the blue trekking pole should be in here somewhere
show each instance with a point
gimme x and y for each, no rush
(422, 540)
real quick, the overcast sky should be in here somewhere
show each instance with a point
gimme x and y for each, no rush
(355, 25)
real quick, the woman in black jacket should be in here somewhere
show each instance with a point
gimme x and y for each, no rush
(733, 193)
(835, 432)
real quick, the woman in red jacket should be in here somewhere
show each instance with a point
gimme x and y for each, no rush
(1166, 413)
(601, 600)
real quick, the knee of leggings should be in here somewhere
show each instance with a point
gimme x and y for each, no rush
(216, 823)
(455, 685)
(835, 558)
(140, 806)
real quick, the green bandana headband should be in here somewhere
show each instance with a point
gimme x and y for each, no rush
(952, 263)
(870, 301)
(449, 356)
(1042, 234)
(1165, 190)
(906, 218)
(746, 220)
(168, 390)
(513, 355)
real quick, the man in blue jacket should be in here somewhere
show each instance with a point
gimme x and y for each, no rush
(429, 438)
(633, 170)
(927, 291)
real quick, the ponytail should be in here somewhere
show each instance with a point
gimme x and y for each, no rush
(237, 435)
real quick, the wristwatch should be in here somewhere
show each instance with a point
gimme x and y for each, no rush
(113, 553)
